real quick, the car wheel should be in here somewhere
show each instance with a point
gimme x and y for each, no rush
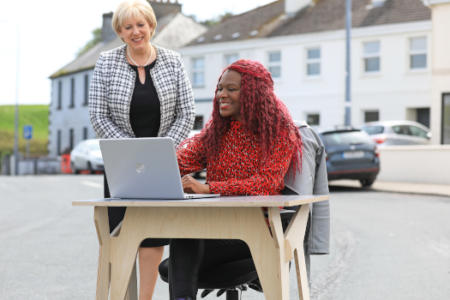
(74, 170)
(367, 182)
(89, 167)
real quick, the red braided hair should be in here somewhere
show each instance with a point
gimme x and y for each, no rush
(262, 113)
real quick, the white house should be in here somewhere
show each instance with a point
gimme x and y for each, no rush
(302, 42)
(69, 117)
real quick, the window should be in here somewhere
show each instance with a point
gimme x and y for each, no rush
(72, 92)
(423, 116)
(417, 132)
(401, 129)
(313, 119)
(313, 61)
(274, 65)
(85, 133)
(86, 90)
(71, 137)
(59, 96)
(371, 115)
(230, 58)
(198, 72)
(418, 53)
(371, 130)
(371, 57)
(58, 142)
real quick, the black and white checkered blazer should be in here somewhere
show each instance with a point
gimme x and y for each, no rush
(112, 87)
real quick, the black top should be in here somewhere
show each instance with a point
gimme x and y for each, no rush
(145, 107)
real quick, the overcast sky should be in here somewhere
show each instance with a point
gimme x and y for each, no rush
(52, 31)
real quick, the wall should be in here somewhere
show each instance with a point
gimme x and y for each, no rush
(67, 118)
(421, 164)
(393, 91)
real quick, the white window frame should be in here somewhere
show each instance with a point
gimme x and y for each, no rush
(417, 52)
(226, 58)
(310, 61)
(371, 55)
(195, 70)
(274, 64)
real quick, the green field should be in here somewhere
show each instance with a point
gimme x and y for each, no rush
(35, 115)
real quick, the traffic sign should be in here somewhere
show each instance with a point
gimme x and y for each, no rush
(27, 132)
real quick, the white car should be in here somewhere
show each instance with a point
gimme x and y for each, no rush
(398, 133)
(87, 156)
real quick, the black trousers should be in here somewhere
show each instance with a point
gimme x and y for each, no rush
(190, 257)
(116, 214)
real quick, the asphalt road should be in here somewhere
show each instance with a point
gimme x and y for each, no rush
(384, 245)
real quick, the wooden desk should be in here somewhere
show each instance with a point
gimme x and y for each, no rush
(215, 218)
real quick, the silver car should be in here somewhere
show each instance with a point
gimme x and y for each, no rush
(398, 133)
(86, 156)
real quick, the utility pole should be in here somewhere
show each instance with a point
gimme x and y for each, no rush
(348, 96)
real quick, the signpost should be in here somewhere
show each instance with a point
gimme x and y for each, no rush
(28, 135)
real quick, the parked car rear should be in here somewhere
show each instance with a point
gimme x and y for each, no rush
(398, 133)
(351, 154)
(86, 156)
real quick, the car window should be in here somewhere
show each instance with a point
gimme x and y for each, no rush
(375, 129)
(401, 129)
(418, 132)
(345, 138)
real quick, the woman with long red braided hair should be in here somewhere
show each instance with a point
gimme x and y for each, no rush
(247, 148)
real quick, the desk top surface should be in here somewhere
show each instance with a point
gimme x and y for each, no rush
(230, 201)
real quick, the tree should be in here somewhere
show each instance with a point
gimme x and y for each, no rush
(96, 38)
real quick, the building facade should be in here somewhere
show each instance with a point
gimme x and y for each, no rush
(302, 43)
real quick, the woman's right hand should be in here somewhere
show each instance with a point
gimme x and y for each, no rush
(191, 185)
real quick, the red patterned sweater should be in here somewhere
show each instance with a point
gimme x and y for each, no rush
(238, 171)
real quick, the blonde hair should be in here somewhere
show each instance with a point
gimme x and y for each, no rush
(132, 9)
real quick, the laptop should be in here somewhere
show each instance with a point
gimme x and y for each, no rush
(144, 168)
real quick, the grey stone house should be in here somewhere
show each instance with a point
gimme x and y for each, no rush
(69, 117)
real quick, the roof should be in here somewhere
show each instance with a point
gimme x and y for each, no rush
(328, 15)
(252, 24)
(165, 12)
(87, 60)
(325, 15)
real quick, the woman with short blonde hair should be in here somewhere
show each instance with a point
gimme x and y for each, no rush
(140, 90)
(132, 9)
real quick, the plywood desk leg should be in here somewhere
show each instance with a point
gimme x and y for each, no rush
(132, 286)
(302, 276)
(123, 256)
(104, 266)
(269, 258)
(294, 236)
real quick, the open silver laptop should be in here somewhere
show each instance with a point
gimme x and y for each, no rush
(143, 168)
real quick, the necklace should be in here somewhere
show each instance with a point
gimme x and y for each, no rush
(135, 63)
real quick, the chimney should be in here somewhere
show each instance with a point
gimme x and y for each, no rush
(164, 8)
(108, 33)
(292, 7)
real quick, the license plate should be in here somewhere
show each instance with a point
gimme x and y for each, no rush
(353, 154)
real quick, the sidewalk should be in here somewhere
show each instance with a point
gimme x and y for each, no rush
(400, 187)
